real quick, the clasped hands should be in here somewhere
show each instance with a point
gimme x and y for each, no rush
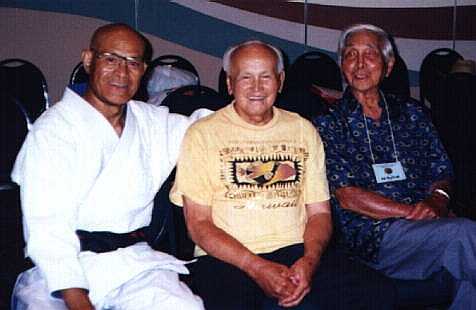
(431, 208)
(288, 284)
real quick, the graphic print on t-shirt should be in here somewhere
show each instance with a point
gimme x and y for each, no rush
(264, 172)
(268, 175)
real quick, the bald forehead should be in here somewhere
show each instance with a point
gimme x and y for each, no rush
(116, 32)
(254, 50)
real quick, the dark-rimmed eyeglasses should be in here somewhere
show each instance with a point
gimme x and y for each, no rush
(112, 60)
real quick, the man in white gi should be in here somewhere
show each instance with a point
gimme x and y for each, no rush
(88, 172)
(251, 178)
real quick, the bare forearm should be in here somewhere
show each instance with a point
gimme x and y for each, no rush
(219, 244)
(370, 204)
(76, 299)
(317, 234)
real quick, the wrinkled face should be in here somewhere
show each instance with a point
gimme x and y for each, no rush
(255, 83)
(115, 68)
(363, 63)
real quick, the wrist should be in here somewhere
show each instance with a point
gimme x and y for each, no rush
(406, 209)
(250, 263)
(311, 261)
(76, 298)
(313, 256)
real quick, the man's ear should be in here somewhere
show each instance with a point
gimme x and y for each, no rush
(281, 81)
(87, 58)
(390, 64)
(229, 85)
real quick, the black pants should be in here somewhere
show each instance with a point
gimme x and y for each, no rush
(338, 283)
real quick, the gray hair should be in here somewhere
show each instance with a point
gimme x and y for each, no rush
(231, 51)
(385, 45)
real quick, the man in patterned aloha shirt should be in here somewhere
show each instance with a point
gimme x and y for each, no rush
(389, 175)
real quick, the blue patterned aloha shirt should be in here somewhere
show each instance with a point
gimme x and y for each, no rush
(349, 162)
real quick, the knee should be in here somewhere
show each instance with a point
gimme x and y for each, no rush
(467, 226)
(462, 240)
(465, 229)
(152, 299)
(455, 228)
(184, 299)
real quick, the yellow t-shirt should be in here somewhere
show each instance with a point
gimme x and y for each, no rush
(256, 179)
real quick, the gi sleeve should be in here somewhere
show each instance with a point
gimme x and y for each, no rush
(47, 171)
(177, 126)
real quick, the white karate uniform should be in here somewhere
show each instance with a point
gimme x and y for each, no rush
(74, 173)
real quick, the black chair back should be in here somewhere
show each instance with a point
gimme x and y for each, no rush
(175, 61)
(25, 82)
(164, 60)
(79, 75)
(14, 125)
(397, 82)
(186, 99)
(454, 115)
(433, 71)
(309, 70)
(315, 68)
(306, 103)
(223, 88)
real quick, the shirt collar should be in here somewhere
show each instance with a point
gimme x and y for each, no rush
(349, 104)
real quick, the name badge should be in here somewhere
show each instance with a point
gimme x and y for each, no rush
(388, 172)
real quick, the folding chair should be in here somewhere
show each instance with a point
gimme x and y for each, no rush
(25, 82)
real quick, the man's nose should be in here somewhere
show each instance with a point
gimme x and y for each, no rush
(257, 84)
(360, 61)
(122, 67)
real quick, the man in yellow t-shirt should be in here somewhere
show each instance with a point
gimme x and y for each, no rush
(252, 180)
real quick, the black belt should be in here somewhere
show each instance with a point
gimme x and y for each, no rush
(104, 241)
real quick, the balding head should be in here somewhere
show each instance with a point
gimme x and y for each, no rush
(233, 50)
(103, 32)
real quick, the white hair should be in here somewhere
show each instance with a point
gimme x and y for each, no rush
(385, 46)
(231, 51)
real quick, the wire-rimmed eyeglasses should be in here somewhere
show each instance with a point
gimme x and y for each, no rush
(112, 60)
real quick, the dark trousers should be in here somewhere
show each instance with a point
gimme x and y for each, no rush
(338, 283)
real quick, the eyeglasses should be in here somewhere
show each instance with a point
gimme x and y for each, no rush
(112, 60)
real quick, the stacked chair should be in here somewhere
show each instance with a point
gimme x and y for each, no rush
(14, 123)
(79, 75)
(454, 113)
(452, 96)
(307, 73)
(175, 61)
(23, 97)
(223, 88)
(397, 83)
(434, 69)
(186, 99)
(26, 83)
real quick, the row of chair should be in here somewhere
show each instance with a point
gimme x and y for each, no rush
(18, 77)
